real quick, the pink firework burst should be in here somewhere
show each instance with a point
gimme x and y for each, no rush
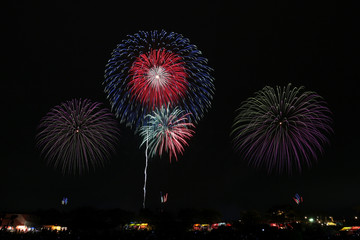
(158, 78)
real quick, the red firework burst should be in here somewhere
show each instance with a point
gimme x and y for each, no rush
(158, 78)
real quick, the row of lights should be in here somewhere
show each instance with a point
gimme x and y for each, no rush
(317, 218)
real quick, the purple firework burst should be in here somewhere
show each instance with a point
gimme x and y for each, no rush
(282, 129)
(77, 135)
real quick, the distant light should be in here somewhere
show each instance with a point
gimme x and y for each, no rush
(21, 228)
(56, 228)
(311, 220)
(64, 201)
(356, 217)
(330, 224)
(345, 229)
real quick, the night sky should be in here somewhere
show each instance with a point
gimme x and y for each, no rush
(57, 51)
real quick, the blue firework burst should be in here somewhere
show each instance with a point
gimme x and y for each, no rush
(119, 72)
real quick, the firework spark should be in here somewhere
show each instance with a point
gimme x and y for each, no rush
(167, 131)
(282, 129)
(77, 135)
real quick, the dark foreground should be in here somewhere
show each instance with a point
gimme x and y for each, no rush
(222, 234)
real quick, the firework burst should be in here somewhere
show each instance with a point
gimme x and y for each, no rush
(167, 131)
(158, 78)
(77, 135)
(154, 69)
(282, 129)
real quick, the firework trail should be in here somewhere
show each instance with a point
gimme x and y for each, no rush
(145, 172)
(282, 129)
(77, 135)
